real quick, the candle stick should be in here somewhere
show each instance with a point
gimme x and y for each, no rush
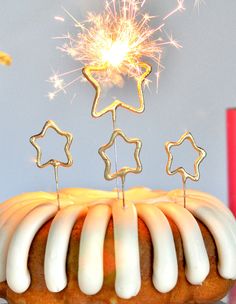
(53, 162)
(231, 144)
(184, 174)
(125, 170)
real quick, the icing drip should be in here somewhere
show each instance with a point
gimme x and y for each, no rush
(177, 196)
(18, 276)
(197, 262)
(7, 230)
(220, 209)
(90, 275)
(57, 246)
(8, 212)
(128, 278)
(224, 233)
(165, 266)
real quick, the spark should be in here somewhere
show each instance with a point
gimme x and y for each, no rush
(180, 7)
(57, 82)
(143, 3)
(119, 38)
(51, 95)
(59, 18)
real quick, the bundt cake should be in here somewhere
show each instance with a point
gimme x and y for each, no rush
(95, 251)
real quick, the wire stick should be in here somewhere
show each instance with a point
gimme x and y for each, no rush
(184, 192)
(116, 158)
(57, 185)
(123, 191)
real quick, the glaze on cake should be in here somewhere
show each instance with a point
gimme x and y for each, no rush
(23, 216)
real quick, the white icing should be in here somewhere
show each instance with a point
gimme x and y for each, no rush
(26, 197)
(177, 196)
(128, 278)
(8, 212)
(197, 262)
(83, 196)
(90, 275)
(7, 230)
(223, 229)
(18, 276)
(220, 209)
(57, 246)
(165, 266)
(21, 217)
(223, 232)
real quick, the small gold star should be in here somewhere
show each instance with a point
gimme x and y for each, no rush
(125, 170)
(88, 71)
(201, 155)
(55, 163)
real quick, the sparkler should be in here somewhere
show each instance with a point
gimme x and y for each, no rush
(120, 38)
(184, 174)
(50, 124)
(115, 44)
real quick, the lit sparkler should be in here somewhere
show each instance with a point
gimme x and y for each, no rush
(120, 38)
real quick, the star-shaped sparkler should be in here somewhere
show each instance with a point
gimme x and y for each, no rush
(88, 73)
(185, 175)
(121, 173)
(53, 162)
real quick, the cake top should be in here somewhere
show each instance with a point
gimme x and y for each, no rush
(22, 216)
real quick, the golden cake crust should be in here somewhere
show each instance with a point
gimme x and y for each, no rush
(213, 289)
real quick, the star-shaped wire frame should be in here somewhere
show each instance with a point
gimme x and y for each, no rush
(53, 162)
(88, 73)
(125, 170)
(201, 155)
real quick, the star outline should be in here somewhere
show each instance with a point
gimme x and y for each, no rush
(201, 156)
(87, 72)
(124, 170)
(50, 124)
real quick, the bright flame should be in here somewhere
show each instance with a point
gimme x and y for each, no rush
(116, 53)
(119, 38)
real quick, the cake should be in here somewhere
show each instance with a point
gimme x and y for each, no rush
(95, 251)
